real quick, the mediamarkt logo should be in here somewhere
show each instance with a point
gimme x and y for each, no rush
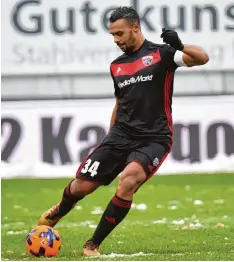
(134, 80)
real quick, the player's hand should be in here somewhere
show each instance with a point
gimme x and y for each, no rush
(171, 37)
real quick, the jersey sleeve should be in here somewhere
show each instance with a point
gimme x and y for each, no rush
(117, 90)
(167, 53)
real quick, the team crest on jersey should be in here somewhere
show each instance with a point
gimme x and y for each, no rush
(155, 162)
(147, 60)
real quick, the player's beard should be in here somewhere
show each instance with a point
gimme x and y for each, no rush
(128, 49)
(130, 46)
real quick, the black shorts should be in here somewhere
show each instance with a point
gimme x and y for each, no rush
(109, 159)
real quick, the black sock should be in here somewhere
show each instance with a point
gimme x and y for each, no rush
(115, 212)
(68, 201)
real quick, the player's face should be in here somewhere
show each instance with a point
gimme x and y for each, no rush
(125, 34)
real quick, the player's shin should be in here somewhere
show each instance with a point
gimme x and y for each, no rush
(115, 212)
(52, 216)
(68, 200)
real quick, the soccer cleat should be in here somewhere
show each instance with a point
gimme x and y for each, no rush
(90, 249)
(51, 217)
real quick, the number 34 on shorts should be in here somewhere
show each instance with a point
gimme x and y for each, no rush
(90, 167)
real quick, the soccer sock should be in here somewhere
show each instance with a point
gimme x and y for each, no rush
(115, 212)
(68, 201)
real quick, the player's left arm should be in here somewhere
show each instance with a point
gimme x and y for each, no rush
(194, 55)
(189, 55)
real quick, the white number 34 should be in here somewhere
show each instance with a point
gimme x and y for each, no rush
(92, 169)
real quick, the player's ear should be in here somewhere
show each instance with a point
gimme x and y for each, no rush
(136, 27)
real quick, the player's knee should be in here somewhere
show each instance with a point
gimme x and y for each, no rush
(125, 185)
(129, 184)
(81, 188)
(130, 180)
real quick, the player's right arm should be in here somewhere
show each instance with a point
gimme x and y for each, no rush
(114, 112)
(117, 93)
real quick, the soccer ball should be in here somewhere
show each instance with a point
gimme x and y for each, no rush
(43, 241)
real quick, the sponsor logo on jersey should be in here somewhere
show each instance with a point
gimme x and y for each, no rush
(147, 60)
(134, 80)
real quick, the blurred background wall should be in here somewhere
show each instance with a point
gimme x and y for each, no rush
(56, 50)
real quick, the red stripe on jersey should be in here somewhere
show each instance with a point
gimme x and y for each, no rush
(167, 88)
(133, 67)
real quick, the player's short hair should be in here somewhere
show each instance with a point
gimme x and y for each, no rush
(125, 12)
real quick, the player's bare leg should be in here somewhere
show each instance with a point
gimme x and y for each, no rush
(131, 178)
(76, 190)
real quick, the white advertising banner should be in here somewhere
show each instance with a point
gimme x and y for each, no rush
(71, 36)
(64, 132)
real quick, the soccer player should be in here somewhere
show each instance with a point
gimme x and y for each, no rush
(140, 134)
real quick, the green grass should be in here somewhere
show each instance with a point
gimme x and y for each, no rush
(23, 200)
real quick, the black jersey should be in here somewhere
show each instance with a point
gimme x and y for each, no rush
(143, 82)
